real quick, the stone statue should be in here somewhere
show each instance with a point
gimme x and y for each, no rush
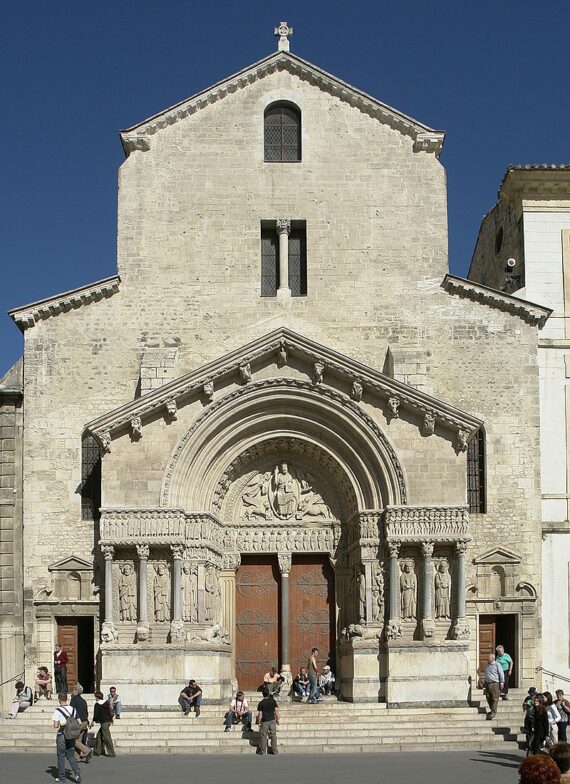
(127, 593)
(377, 595)
(255, 496)
(161, 593)
(189, 593)
(286, 490)
(442, 591)
(362, 598)
(210, 594)
(408, 591)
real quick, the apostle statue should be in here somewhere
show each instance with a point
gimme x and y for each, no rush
(442, 591)
(408, 591)
(189, 593)
(127, 593)
(377, 595)
(210, 594)
(161, 593)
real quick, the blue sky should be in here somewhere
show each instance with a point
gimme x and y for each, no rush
(492, 73)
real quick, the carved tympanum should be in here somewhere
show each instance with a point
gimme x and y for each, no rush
(283, 493)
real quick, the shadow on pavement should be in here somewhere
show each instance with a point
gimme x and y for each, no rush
(505, 760)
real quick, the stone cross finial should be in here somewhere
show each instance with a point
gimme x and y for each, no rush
(284, 32)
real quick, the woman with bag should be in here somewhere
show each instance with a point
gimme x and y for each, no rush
(553, 719)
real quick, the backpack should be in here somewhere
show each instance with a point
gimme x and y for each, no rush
(72, 728)
(29, 695)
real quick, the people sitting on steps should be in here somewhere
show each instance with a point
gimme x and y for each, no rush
(272, 681)
(239, 713)
(21, 701)
(190, 697)
(301, 683)
(115, 702)
(44, 684)
(326, 682)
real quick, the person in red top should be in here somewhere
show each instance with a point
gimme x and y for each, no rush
(60, 669)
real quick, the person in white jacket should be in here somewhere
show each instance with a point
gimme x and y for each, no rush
(553, 717)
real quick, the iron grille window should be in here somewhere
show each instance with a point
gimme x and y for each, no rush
(476, 496)
(298, 263)
(269, 262)
(297, 254)
(90, 478)
(282, 133)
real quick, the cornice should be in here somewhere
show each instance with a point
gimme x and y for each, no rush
(425, 139)
(529, 312)
(535, 181)
(322, 362)
(27, 316)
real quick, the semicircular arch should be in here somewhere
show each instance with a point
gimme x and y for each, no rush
(283, 408)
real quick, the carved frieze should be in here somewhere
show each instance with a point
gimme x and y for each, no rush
(414, 523)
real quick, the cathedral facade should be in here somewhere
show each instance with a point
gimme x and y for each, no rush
(283, 423)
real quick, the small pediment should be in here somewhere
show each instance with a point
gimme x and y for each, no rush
(322, 368)
(498, 555)
(71, 564)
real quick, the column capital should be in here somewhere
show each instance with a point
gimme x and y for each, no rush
(394, 548)
(461, 548)
(108, 551)
(427, 549)
(143, 550)
(284, 560)
(283, 225)
(177, 551)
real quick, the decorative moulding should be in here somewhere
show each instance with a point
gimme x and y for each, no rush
(27, 315)
(425, 139)
(498, 555)
(71, 563)
(527, 311)
(322, 363)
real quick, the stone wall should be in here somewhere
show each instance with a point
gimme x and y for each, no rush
(190, 211)
(11, 597)
(499, 239)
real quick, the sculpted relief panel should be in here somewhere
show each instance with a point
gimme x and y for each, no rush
(284, 493)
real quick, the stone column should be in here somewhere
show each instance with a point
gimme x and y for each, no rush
(460, 624)
(143, 629)
(231, 562)
(394, 627)
(285, 567)
(108, 631)
(283, 229)
(177, 631)
(428, 626)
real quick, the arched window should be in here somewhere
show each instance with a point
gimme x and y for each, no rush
(476, 495)
(282, 132)
(90, 477)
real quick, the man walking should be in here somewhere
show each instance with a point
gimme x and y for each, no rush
(102, 715)
(64, 747)
(82, 711)
(507, 664)
(494, 679)
(313, 671)
(268, 719)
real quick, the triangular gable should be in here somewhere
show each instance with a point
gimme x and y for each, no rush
(424, 137)
(282, 344)
(498, 555)
(71, 564)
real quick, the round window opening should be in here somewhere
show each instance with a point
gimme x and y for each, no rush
(499, 240)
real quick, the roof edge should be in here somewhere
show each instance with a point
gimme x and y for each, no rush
(426, 139)
(529, 312)
(26, 316)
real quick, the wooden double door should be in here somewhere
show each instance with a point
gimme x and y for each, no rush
(259, 625)
(75, 635)
(496, 630)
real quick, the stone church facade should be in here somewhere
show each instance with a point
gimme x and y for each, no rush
(263, 433)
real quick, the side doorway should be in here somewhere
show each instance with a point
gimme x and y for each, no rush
(500, 629)
(75, 636)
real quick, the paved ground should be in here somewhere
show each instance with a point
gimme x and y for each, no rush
(458, 767)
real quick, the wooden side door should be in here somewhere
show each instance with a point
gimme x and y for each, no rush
(487, 640)
(257, 620)
(68, 639)
(311, 610)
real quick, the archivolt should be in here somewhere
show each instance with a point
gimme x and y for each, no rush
(288, 408)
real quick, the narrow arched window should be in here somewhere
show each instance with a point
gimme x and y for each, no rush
(282, 132)
(90, 477)
(476, 495)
